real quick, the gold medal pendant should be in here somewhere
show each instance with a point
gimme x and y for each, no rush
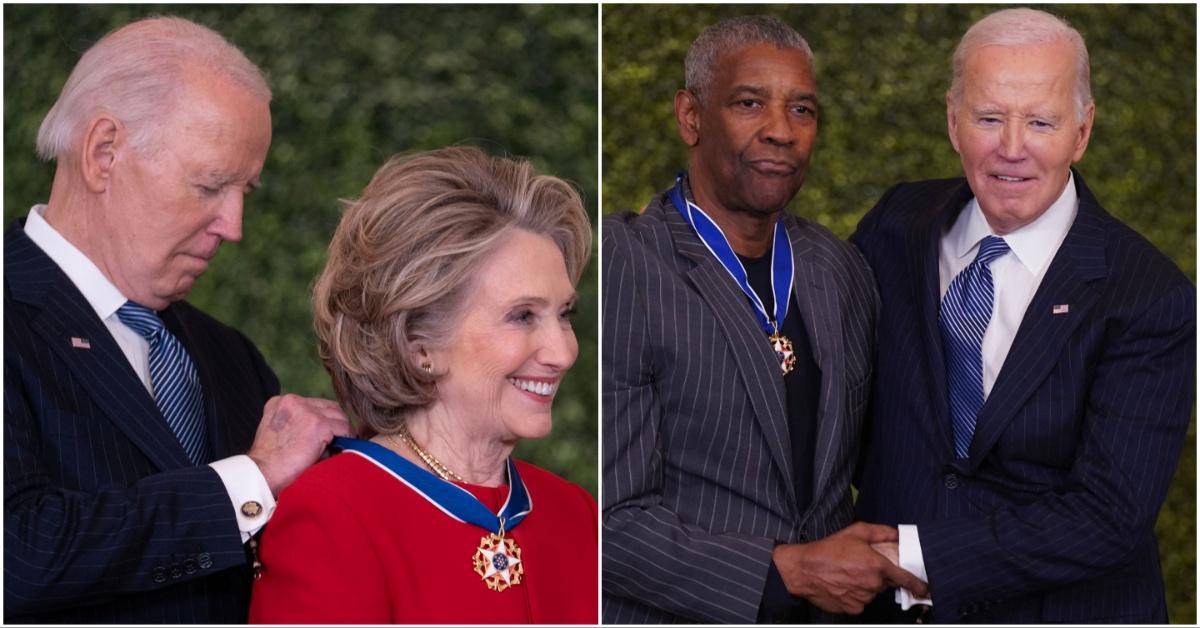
(783, 350)
(498, 562)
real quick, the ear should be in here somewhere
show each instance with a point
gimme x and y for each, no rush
(1085, 132)
(952, 120)
(687, 117)
(104, 138)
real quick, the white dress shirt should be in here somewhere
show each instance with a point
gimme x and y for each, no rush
(242, 478)
(1016, 275)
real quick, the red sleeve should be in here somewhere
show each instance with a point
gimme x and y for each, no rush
(318, 565)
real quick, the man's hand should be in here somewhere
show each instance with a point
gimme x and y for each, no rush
(890, 550)
(292, 435)
(842, 573)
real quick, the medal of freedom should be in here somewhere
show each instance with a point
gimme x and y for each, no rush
(498, 562)
(783, 350)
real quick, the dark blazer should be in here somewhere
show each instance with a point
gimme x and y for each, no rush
(697, 462)
(1051, 518)
(105, 519)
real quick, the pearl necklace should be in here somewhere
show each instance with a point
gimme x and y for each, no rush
(434, 464)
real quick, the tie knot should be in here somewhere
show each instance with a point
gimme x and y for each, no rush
(990, 248)
(140, 318)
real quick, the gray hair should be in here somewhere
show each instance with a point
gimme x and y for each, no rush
(733, 34)
(137, 73)
(1023, 27)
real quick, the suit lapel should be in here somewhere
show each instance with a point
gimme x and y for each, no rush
(1042, 335)
(821, 311)
(754, 359)
(62, 314)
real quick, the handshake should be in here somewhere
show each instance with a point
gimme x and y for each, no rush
(843, 572)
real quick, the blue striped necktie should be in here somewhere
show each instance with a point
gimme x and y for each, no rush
(966, 311)
(173, 376)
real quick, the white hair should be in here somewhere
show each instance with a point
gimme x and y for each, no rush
(730, 35)
(1023, 27)
(136, 73)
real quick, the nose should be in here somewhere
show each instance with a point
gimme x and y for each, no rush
(559, 348)
(1012, 141)
(777, 128)
(228, 223)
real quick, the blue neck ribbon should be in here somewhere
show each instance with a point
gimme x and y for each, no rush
(450, 498)
(714, 239)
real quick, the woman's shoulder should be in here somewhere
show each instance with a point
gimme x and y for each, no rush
(339, 475)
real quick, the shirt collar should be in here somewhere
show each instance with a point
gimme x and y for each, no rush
(1034, 244)
(100, 293)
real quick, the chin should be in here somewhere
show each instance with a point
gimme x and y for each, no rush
(530, 428)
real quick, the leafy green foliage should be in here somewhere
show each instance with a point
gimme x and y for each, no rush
(353, 85)
(883, 71)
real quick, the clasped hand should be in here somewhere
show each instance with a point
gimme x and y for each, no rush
(843, 572)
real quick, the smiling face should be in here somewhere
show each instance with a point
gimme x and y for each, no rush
(505, 360)
(1017, 129)
(752, 137)
(171, 209)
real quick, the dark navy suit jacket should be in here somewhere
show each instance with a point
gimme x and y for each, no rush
(1051, 518)
(105, 519)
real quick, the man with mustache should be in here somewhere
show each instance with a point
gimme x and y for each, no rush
(736, 361)
(1036, 362)
(136, 465)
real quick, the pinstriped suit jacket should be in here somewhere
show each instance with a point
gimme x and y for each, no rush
(697, 483)
(105, 519)
(1051, 518)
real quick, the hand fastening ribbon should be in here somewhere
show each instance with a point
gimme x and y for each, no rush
(782, 270)
(497, 560)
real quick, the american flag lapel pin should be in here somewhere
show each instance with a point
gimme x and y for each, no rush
(1060, 309)
(80, 343)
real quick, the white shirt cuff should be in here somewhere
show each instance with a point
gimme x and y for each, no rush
(912, 561)
(248, 491)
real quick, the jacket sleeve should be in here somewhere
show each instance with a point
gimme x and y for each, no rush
(649, 554)
(66, 548)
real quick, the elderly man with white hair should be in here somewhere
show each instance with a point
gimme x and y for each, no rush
(1036, 362)
(144, 441)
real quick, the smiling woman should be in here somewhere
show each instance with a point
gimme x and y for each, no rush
(444, 318)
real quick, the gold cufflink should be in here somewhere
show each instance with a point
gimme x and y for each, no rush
(252, 509)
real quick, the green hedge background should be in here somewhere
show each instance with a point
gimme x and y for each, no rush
(882, 73)
(353, 85)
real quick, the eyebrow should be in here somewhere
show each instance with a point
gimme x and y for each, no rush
(542, 301)
(760, 91)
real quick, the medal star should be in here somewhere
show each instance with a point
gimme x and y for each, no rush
(499, 562)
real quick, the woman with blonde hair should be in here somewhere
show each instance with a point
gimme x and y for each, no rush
(443, 316)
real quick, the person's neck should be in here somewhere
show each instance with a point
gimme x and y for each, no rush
(72, 212)
(477, 459)
(750, 234)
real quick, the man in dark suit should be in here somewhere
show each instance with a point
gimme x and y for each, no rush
(736, 362)
(136, 467)
(1036, 357)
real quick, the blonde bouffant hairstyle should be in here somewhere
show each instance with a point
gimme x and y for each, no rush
(402, 261)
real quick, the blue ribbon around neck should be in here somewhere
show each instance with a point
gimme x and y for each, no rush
(450, 498)
(781, 258)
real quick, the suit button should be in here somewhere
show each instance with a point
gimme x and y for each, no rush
(190, 567)
(950, 481)
(204, 560)
(176, 572)
(160, 575)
